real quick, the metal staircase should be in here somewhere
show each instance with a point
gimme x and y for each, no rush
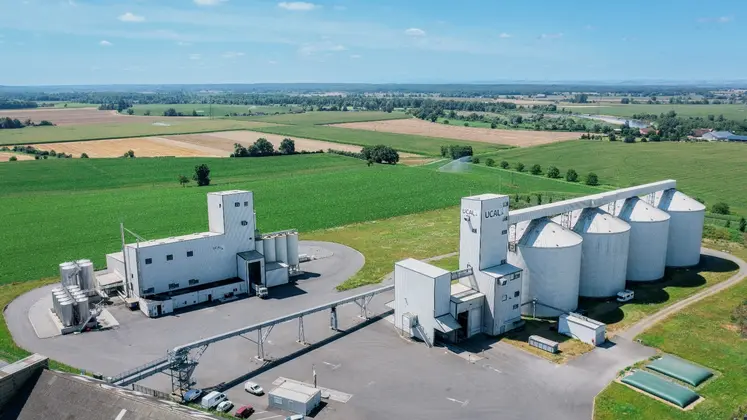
(422, 333)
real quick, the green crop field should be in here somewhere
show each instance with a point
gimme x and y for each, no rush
(205, 109)
(135, 128)
(328, 117)
(733, 112)
(710, 171)
(402, 142)
(57, 210)
(58, 104)
(705, 334)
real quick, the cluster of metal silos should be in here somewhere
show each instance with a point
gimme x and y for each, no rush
(280, 247)
(70, 303)
(78, 273)
(593, 252)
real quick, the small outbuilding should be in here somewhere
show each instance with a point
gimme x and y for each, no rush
(295, 397)
(582, 328)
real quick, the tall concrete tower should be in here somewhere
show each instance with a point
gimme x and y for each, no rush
(483, 231)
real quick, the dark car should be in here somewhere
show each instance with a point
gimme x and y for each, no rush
(244, 412)
(192, 395)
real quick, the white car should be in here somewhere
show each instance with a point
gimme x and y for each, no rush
(225, 406)
(625, 296)
(295, 417)
(253, 388)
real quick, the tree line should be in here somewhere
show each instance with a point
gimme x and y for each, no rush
(553, 172)
(8, 123)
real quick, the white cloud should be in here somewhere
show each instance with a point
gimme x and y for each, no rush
(232, 54)
(505, 35)
(590, 27)
(105, 43)
(311, 49)
(340, 7)
(355, 56)
(183, 44)
(721, 19)
(414, 32)
(552, 36)
(208, 2)
(130, 17)
(272, 62)
(297, 6)
(195, 56)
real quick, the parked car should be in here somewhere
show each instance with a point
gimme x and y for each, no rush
(212, 399)
(253, 388)
(192, 395)
(295, 417)
(244, 412)
(225, 406)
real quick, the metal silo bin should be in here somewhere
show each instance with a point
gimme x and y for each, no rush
(293, 249)
(649, 233)
(66, 311)
(82, 309)
(550, 256)
(685, 227)
(259, 246)
(281, 248)
(67, 270)
(86, 276)
(269, 246)
(604, 252)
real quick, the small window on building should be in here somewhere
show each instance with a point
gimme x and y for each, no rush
(516, 306)
(504, 232)
(169, 257)
(244, 223)
(149, 260)
(237, 204)
(516, 293)
(193, 282)
(246, 204)
(220, 205)
(504, 298)
(190, 253)
(149, 290)
(503, 261)
(173, 286)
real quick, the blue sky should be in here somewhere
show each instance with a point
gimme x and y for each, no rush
(252, 41)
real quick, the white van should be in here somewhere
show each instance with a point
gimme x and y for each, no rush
(212, 399)
(625, 296)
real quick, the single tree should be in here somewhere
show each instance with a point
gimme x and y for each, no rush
(130, 111)
(490, 162)
(466, 124)
(183, 180)
(12, 159)
(147, 112)
(262, 147)
(287, 146)
(528, 199)
(592, 179)
(553, 172)
(202, 175)
(742, 225)
(613, 137)
(720, 208)
(194, 113)
(493, 125)
(128, 154)
(446, 122)
(539, 199)
(519, 167)
(504, 164)
(84, 155)
(571, 176)
(536, 169)
(170, 112)
(475, 160)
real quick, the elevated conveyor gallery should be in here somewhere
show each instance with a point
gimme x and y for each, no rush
(661, 388)
(680, 370)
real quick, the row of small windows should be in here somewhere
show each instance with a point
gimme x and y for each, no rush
(505, 297)
(169, 257)
(237, 204)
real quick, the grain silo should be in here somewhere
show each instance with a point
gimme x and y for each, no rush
(685, 227)
(281, 248)
(269, 248)
(259, 245)
(550, 256)
(293, 249)
(649, 233)
(604, 251)
(85, 275)
(67, 274)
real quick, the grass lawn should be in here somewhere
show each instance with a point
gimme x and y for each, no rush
(733, 112)
(327, 117)
(402, 142)
(710, 171)
(703, 333)
(218, 110)
(31, 135)
(58, 210)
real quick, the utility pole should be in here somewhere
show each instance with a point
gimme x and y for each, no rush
(313, 373)
(124, 258)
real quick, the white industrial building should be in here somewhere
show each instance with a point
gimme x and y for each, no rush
(230, 259)
(538, 261)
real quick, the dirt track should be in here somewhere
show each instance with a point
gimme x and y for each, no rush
(520, 138)
(74, 116)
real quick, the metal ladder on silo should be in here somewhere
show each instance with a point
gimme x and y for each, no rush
(422, 333)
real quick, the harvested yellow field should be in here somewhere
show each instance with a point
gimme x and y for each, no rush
(226, 140)
(519, 138)
(5, 156)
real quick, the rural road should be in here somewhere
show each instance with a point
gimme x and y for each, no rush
(650, 320)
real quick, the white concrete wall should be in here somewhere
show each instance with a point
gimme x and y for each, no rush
(583, 333)
(507, 311)
(414, 293)
(114, 264)
(604, 263)
(215, 213)
(483, 238)
(276, 277)
(441, 295)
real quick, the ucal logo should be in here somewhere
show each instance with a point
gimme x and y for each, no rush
(493, 213)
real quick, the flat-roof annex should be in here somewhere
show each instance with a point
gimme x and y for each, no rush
(175, 239)
(295, 391)
(422, 268)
